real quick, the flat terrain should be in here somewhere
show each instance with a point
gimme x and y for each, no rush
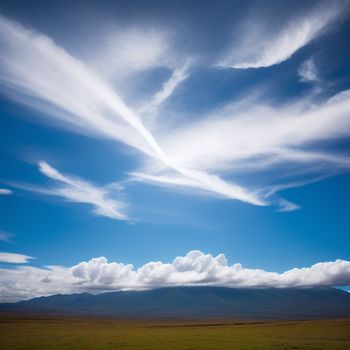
(40, 332)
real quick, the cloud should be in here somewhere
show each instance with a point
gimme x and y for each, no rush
(35, 71)
(13, 258)
(98, 271)
(264, 47)
(261, 136)
(127, 50)
(5, 236)
(25, 282)
(203, 154)
(197, 268)
(4, 191)
(193, 269)
(74, 189)
(176, 78)
(286, 206)
(307, 72)
(36, 67)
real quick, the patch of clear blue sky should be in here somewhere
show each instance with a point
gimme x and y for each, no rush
(166, 222)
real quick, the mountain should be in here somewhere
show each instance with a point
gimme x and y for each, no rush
(182, 302)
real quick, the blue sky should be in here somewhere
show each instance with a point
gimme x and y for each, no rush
(139, 134)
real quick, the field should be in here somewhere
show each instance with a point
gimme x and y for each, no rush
(34, 332)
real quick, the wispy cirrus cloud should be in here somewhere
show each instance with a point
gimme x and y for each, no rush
(6, 236)
(74, 189)
(226, 138)
(193, 269)
(201, 155)
(307, 72)
(5, 191)
(14, 258)
(66, 85)
(263, 47)
(261, 138)
(177, 77)
(126, 50)
(37, 72)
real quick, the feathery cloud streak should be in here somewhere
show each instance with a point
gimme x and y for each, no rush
(5, 236)
(77, 190)
(221, 140)
(307, 71)
(176, 78)
(262, 49)
(13, 258)
(127, 50)
(260, 138)
(47, 78)
(193, 269)
(5, 191)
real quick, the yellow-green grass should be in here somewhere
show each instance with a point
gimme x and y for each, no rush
(40, 333)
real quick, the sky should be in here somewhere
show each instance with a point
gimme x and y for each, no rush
(147, 145)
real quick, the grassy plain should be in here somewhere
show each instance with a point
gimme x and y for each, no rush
(55, 333)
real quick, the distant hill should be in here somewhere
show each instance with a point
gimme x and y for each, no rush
(213, 302)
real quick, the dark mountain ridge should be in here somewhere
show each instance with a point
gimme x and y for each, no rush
(204, 302)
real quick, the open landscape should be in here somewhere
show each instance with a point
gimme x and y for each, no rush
(29, 332)
(181, 318)
(174, 175)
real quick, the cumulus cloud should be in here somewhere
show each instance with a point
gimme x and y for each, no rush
(74, 189)
(98, 272)
(263, 47)
(13, 258)
(25, 282)
(193, 269)
(197, 268)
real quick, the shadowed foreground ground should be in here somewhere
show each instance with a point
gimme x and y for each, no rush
(27, 332)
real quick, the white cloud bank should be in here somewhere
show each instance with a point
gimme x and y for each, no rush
(13, 258)
(194, 269)
(263, 47)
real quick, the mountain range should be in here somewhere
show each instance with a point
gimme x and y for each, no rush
(193, 302)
